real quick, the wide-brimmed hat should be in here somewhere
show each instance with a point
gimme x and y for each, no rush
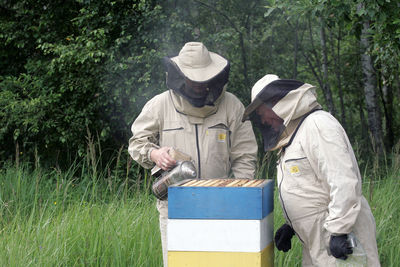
(269, 90)
(197, 63)
(255, 91)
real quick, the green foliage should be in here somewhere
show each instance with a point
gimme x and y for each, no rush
(84, 66)
(77, 67)
(385, 34)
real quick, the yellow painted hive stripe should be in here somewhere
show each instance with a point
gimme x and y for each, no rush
(264, 258)
(222, 182)
(189, 183)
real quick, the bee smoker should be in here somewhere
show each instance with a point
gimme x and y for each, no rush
(183, 170)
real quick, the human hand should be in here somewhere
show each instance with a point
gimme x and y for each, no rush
(340, 247)
(162, 158)
(283, 237)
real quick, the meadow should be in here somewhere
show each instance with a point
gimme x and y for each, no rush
(87, 217)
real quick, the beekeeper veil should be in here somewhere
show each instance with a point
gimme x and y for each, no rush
(197, 75)
(276, 107)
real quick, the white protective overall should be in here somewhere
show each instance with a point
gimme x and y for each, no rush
(319, 181)
(227, 147)
(214, 136)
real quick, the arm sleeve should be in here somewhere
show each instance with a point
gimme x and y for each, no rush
(332, 157)
(243, 155)
(145, 136)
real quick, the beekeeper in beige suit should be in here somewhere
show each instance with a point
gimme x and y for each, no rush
(319, 181)
(198, 117)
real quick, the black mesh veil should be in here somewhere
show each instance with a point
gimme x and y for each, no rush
(277, 90)
(271, 125)
(196, 93)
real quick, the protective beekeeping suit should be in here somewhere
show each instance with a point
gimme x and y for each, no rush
(319, 181)
(198, 117)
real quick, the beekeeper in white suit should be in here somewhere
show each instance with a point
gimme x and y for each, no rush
(319, 181)
(198, 117)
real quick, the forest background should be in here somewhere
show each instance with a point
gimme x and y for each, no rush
(74, 75)
(73, 70)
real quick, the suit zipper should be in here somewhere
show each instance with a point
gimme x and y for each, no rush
(173, 129)
(289, 160)
(198, 151)
(283, 203)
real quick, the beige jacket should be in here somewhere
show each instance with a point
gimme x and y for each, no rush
(320, 184)
(219, 143)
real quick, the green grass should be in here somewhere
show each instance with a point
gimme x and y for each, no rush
(48, 220)
(82, 234)
(54, 218)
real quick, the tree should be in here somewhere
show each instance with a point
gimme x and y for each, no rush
(72, 68)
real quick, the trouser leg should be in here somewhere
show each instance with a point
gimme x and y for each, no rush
(365, 232)
(162, 207)
(315, 240)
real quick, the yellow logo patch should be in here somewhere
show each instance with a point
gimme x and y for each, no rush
(294, 169)
(221, 137)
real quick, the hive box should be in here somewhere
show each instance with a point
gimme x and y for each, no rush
(220, 222)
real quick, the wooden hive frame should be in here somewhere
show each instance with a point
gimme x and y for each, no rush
(221, 183)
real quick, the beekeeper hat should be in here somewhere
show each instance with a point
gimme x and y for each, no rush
(256, 101)
(196, 74)
(269, 90)
(197, 63)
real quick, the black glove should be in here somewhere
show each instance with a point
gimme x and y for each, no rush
(340, 247)
(283, 238)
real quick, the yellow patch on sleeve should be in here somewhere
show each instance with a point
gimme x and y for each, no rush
(221, 137)
(294, 169)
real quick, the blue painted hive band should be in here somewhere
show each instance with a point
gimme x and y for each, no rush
(241, 199)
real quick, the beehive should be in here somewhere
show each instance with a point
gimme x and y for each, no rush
(221, 223)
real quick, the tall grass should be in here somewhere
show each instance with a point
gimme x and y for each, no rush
(69, 218)
(82, 234)
(105, 215)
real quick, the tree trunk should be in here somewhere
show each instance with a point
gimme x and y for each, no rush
(296, 49)
(387, 99)
(369, 83)
(363, 129)
(325, 83)
(313, 54)
(398, 86)
(364, 125)
(244, 59)
(338, 74)
(241, 37)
